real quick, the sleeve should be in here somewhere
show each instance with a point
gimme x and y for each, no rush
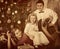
(26, 28)
(54, 15)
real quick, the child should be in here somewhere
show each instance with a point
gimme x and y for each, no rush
(32, 31)
(20, 39)
(16, 34)
(14, 37)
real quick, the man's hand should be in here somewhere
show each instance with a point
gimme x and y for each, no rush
(51, 24)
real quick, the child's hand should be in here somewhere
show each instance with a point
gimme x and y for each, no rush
(8, 34)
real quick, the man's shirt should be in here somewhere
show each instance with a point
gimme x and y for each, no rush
(46, 13)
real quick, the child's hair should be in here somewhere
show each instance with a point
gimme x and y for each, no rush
(32, 14)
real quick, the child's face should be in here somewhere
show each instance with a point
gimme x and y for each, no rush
(18, 34)
(32, 19)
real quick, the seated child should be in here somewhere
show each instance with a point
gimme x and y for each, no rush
(32, 31)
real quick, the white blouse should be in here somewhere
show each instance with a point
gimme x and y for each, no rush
(30, 27)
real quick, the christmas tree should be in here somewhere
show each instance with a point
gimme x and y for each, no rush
(13, 13)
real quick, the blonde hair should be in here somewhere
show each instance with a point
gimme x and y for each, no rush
(32, 14)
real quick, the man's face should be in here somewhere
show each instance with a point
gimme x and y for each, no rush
(40, 6)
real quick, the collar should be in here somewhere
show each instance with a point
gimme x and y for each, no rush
(40, 11)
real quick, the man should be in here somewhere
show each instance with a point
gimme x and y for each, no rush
(44, 13)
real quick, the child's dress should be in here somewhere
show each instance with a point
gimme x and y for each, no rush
(38, 38)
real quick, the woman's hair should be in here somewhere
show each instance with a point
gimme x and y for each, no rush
(32, 14)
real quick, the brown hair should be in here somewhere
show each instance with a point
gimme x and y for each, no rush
(40, 1)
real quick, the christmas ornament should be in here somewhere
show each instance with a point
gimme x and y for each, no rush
(1, 1)
(19, 22)
(6, 2)
(16, 11)
(1, 28)
(0, 10)
(11, 5)
(12, 13)
(3, 15)
(12, 26)
(15, 3)
(8, 21)
(0, 21)
(9, 9)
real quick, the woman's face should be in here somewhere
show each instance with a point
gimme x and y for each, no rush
(40, 6)
(32, 19)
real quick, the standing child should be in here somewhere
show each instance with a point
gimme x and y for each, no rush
(33, 32)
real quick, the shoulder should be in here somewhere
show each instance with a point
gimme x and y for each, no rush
(28, 24)
(48, 9)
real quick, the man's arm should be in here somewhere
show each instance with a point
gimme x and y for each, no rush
(54, 16)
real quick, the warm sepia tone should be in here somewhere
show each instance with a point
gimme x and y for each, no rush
(14, 15)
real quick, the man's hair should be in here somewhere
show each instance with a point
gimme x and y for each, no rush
(40, 1)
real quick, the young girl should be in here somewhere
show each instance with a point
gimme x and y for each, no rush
(33, 32)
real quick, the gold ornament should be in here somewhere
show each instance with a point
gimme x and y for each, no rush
(19, 22)
(8, 21)
(16, 11)
(2, 15)
(12, 13)
(0, 22)
(1, 1)
(6, 2)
